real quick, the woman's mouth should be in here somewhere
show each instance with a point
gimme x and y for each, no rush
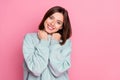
(50, 28)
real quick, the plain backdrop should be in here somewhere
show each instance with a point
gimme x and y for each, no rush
(95, 39)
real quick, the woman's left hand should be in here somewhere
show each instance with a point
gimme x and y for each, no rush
(56, 36)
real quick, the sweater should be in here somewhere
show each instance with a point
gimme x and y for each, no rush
(45, 59)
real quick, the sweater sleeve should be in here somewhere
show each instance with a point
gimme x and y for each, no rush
(35, 56)
(59, 57)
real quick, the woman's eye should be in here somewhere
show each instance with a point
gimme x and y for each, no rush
(59, 22)
(51, 17)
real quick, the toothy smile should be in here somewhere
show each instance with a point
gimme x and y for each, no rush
(50, 28)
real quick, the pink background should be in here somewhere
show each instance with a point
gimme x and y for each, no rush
(96, 36)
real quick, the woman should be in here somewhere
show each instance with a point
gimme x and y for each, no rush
(47, 52)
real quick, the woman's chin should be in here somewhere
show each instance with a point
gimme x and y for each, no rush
(49, 32)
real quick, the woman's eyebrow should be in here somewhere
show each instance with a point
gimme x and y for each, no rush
(60, 21)
(57, 19)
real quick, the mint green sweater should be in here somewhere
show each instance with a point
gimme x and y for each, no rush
(45, 59)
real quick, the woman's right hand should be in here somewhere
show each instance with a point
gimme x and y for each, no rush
(42, 34)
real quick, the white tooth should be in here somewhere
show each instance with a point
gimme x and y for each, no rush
(50, 27)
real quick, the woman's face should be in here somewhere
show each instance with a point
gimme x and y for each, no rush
(53, 23)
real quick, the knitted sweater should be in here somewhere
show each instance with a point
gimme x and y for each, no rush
(45, 59)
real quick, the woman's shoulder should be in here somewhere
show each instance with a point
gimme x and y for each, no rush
(33, 34)
(68, 42)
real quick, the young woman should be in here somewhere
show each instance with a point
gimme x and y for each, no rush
(47, 52)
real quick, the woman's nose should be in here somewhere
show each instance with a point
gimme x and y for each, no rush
(53, 22)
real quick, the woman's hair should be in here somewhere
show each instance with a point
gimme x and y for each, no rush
(66, 30)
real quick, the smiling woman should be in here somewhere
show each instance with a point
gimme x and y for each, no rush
(54, 23)
(47, 52)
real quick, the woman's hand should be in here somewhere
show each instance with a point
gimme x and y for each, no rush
(42, 34)
(56, 36)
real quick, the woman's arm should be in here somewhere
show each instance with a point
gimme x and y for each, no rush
(59, 57)
(36, 57)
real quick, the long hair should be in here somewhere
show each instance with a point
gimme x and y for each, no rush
(66, 30)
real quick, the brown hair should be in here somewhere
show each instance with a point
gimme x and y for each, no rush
(66, 30)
